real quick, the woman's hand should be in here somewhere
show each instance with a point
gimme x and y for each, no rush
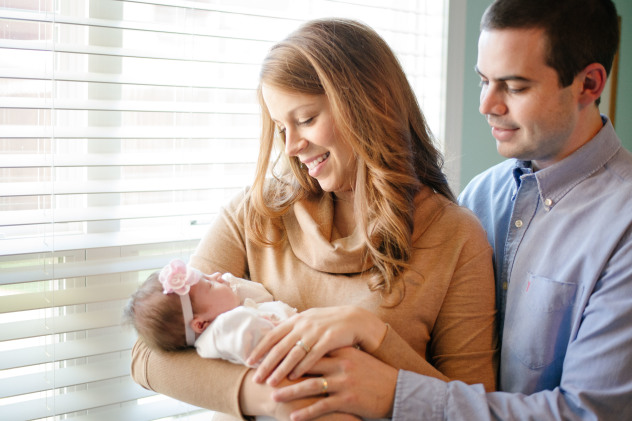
(352, 381)
(294, 346)
(256, 398)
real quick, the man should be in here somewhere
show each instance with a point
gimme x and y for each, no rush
(559, 216)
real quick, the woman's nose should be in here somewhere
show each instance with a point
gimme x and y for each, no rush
(294, 143)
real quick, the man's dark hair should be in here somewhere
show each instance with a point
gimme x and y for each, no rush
(579, 32)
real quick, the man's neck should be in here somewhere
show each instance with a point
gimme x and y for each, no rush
(588, 125)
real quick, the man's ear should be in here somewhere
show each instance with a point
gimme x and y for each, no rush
(593, 79)
(198, 324)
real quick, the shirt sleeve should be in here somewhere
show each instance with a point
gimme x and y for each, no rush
(596, 382)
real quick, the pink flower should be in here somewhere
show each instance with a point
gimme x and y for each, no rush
(178, 277)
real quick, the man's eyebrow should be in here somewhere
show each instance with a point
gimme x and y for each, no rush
(505, 78)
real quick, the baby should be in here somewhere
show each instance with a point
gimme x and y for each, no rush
(221, 315)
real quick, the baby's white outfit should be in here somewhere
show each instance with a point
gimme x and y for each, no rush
(234, 334)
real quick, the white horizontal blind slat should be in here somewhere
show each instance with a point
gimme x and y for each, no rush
(148, 411)
(67, 297)
(99, 396)
(131, 25)
(61, 324)
(66, 377)
(46, 243)
(229, 156)
(44, 74)
(14, 131)
(122, 53)
(164, 107)
(126, 125)
(73, 263)
(123, 186)
(41, 354)
(43, 216)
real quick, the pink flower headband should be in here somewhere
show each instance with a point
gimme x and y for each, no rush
(178, 278)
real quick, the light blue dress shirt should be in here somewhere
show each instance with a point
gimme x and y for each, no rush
(562, 239)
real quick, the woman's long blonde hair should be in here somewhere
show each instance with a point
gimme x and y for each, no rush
(376, 112)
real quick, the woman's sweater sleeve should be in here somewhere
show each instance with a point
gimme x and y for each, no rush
(463, 343)
(183, 375)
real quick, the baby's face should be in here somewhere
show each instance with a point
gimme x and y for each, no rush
(212, 296)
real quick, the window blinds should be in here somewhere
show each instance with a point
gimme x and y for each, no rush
(124, 126)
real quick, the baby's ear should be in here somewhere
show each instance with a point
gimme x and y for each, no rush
(198, 324)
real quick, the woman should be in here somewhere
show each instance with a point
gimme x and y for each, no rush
(357, 214)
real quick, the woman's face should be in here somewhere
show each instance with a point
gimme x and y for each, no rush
(310, 135)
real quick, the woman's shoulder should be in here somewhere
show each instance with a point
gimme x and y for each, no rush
(434, 211)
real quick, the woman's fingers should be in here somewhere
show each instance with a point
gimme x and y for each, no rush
(356, 382)
(296, 355)
(283, 348)
(262, 349)
(293, 347)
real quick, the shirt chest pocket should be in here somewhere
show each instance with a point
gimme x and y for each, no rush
(538, 321)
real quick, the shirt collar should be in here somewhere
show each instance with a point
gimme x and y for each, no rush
(556, 181)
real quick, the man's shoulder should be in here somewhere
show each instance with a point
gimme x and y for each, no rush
(612, 180)
(493, 179)
(621, 165)
(501, 170)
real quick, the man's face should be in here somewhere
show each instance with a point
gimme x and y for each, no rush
(531, 116)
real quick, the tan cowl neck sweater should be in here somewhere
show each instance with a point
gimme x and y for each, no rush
(443, 327)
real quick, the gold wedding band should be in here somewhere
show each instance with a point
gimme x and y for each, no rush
(325, 386)
(303, 345)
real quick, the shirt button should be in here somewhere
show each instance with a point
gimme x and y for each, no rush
(505, 285)
(548, 203)
(518, 223)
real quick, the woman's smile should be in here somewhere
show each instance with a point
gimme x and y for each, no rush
(314, 163)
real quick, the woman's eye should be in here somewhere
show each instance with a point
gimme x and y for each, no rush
(306, 122)
(280, 130)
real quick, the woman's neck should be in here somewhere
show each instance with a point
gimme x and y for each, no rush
(344, 217)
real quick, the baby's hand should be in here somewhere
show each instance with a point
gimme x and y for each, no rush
(272, 318)
(216, 277)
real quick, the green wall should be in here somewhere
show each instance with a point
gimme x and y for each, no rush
(478, 148)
